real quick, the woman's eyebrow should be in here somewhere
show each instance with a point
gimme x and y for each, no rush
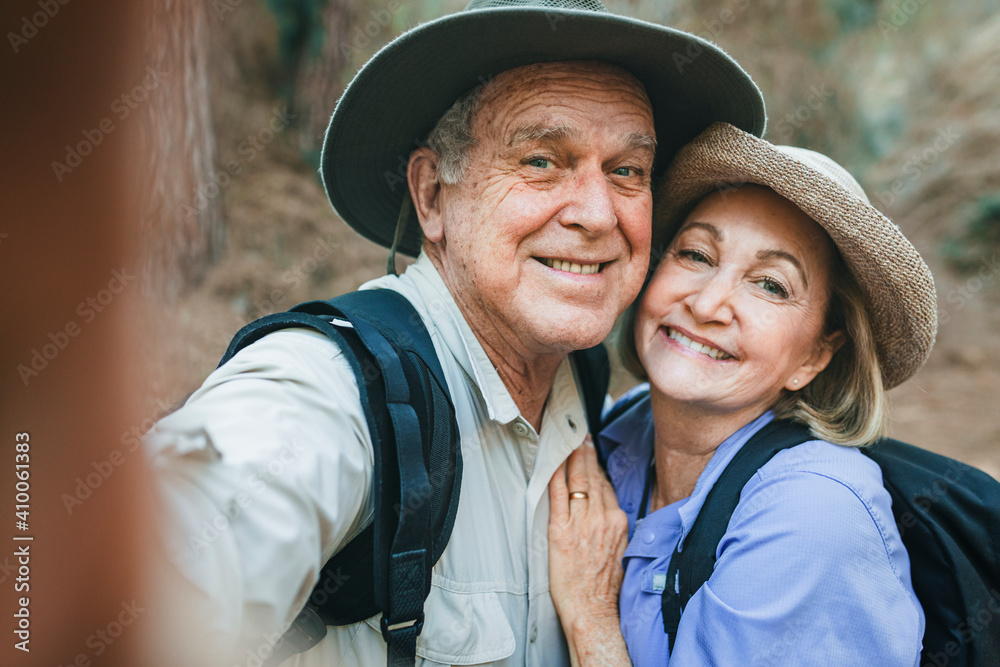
(715, 232)
(781, 254)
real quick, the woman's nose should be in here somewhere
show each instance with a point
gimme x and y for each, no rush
(711, 300)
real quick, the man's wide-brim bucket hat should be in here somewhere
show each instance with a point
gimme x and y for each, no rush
(395, 100)
(897, 285)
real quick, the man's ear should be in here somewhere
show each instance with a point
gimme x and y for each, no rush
(425, 190)
(820, 358)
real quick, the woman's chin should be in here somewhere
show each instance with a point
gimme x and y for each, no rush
(691, 380)
(715, 398)
(691, 394)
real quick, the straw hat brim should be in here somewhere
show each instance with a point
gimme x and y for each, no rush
(896, 283)
(397, 97)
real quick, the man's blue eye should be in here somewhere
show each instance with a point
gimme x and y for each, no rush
(623, 171)
(539, 162)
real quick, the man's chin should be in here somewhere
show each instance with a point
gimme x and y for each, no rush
(564, 329)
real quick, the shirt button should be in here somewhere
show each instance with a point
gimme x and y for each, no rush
(648, 537)
(520, 429)
(534, 633)
(629, 506)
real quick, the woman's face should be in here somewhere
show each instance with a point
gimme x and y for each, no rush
(734, 313)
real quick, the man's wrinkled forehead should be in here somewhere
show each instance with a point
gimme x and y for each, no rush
(516, 90)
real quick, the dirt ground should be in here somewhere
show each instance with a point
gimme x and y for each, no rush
(286, 246)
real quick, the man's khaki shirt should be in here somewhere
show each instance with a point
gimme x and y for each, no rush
(267, 472)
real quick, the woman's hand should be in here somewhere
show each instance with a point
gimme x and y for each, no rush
(587, 537)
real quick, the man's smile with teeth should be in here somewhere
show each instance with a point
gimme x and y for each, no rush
(697, 347)
(572, 267)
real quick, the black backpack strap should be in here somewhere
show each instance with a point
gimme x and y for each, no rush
(411, 420)
(391, 314)
(257, 329)
(694, 560)
(593, 370)
(407, 542)
(402, 587)
(594, 373)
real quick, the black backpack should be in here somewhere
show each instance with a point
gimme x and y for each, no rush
(418, 465)
(948, 514)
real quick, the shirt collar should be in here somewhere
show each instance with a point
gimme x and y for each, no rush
(564, 423)
(629, 438)
(628, 444)
(444, 318)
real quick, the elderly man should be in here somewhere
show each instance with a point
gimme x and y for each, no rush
(522, 136)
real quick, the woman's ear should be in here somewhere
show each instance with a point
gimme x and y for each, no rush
(425, 190)
(822, 353)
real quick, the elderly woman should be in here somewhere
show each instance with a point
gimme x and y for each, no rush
(783, 295)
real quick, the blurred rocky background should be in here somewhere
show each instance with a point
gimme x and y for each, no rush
(904, 93)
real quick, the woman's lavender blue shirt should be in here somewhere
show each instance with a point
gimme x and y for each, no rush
(811, 570)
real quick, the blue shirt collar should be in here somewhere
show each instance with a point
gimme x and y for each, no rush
(627, 444)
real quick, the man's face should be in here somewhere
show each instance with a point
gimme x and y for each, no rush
(547, 238)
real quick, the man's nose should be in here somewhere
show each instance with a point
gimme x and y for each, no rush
(591, 201)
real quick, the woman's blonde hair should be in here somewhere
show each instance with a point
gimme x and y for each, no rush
(846, 403)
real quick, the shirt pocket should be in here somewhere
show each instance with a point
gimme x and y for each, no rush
(462, 629)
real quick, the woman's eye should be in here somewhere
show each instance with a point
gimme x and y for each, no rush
(693, 255)
(539, 162)
(772, 287)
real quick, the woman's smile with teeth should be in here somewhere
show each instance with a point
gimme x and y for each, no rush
(572, 267)
(697, 347)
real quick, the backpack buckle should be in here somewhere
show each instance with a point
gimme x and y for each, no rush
(389, 629)
(306, 631)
